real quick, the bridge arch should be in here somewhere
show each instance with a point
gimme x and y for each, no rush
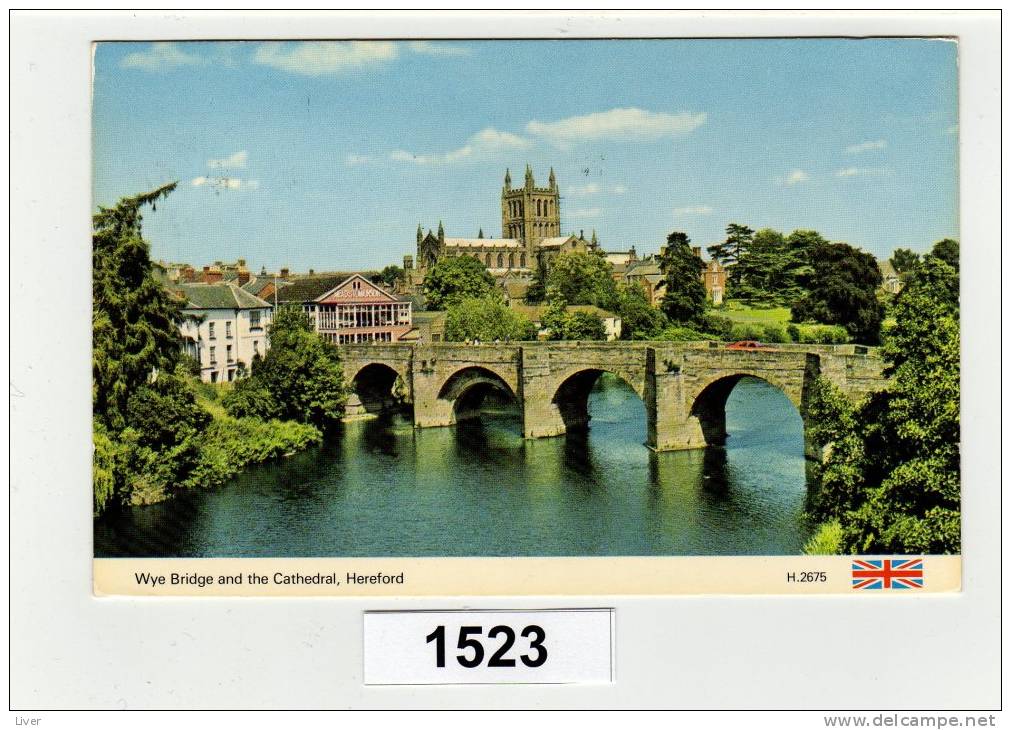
(468, 388)
(376, 387)
(572, 394)
(709, 403)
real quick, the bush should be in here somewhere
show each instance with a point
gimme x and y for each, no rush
(823, 334)
(250, 398)
(826, 541)
(793, 331)
(721, 327)
(773, 333)
(230, 444)
(676, 333)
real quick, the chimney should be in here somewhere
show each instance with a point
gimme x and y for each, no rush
(243, 277)
(211, 276)
(284, 273)
(241, 263)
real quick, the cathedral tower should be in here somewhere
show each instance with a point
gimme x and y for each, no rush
(530, 213)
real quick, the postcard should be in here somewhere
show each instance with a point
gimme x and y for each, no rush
(514, 317)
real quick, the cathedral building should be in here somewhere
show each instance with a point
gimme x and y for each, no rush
(531, 236)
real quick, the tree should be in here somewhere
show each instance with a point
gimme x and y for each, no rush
(904, 260)
(452, 280)
(538, 289)
(732, 250)
(761, 270)
(391, 275)
(684, 301)
(583, 278)
(486, 319)
(946, 250)
(843, 290)
(300, 372)
(892, 479)
(639, 320)
(563, 324)
(134, 319)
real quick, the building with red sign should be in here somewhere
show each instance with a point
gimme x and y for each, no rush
(349, 309)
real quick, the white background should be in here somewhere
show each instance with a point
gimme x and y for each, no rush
(70, 650)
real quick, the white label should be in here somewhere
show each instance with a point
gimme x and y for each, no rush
(489, 647)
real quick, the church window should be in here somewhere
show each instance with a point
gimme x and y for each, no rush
(523, 260)
(538, 207)
(500, 261)
(487, 260)
(512, 261)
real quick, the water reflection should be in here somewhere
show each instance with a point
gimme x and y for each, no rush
(478, 488)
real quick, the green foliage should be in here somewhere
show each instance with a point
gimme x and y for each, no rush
(301, 375)
(537, 291)
(250, 398)
(892, 478)
(165, 413)
(843, 290)
(678, 333)
(134, 320)
(946, 250)
(720, 327)
(639, 319)
(391, 275)
(106, 467)
(233, 443)
(565, 325)
(486, 319)
(684, 301)
(826, 541)
(904, 260)
(583, 278)
(732, 250)
(452, 280)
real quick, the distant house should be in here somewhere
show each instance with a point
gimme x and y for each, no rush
(428, 327)
(349, 308)
(646, 274)
(224, 328)
(891, 280)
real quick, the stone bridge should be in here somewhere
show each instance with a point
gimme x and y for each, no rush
(684, 386)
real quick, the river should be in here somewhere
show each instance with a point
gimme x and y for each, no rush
(384, 488)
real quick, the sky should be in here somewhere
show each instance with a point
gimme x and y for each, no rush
(327, 155)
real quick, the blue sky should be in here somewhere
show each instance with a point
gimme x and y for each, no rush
(328, 155)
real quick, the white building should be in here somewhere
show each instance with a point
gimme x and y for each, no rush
(224, 329)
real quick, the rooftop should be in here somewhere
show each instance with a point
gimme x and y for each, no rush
(218, 296)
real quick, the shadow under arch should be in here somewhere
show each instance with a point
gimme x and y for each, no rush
(710, 406)
(473, 388)
(376, 386)
(572, 397)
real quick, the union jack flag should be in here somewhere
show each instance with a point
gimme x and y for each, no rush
(887, 573)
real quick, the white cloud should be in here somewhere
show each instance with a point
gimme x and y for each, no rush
(225, 183)
(438, 49)
(864, 171)
(878, 144)
(238, 160)
(692, 210)
(580, 191)
(159, 57)
(485, 142)
(797, 176)
(585, 213)
(619, 190)
(316, 58)
(630, 123)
